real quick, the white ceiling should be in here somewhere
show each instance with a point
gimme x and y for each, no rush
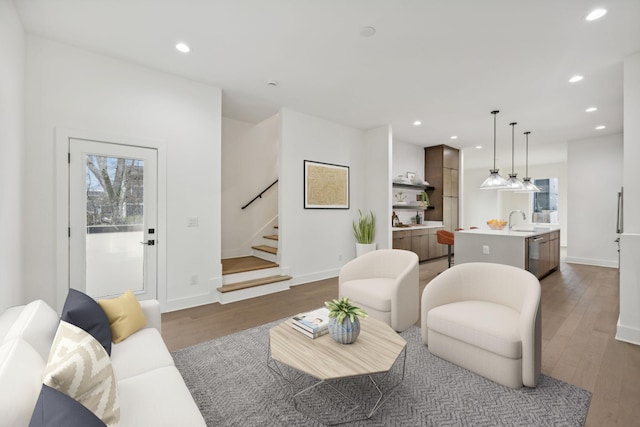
(445, 62)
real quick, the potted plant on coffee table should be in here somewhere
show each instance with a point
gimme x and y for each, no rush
(344, 323)
(364, 231)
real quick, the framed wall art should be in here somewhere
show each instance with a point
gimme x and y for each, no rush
(326, 186)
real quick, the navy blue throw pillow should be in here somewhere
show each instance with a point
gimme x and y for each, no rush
(56, 409)
(84, 312)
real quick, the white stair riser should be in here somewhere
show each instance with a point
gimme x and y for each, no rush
(253, 292)
(228, 279)
(264, 255)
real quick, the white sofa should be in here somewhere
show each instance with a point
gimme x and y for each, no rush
(486, 318)
(151, 390)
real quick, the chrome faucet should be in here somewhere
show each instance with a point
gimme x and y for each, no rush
(524, 217)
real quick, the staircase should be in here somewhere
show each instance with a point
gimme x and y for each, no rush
(255, 275)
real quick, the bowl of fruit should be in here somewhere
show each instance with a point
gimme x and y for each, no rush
(496, 224)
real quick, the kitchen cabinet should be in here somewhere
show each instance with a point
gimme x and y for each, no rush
(435, 248)
(543, 253)
(441, 169)
(554, 250)
(402, 240)
(422, 241)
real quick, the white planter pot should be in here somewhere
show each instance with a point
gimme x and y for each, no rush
(363, 248)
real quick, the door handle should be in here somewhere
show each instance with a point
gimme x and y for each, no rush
(149, 242)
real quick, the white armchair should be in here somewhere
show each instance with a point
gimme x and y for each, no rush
(384, 283)
(486, 318)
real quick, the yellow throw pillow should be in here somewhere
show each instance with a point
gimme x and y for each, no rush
(125, 315)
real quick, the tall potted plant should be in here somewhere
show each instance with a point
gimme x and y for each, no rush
(364, 231)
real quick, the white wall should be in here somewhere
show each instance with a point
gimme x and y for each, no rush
(75, 89)
(477, 206)
(407, 158)
(313, 240)
(249, 165)
(629, 321)
(12, 53)
(378, 156)
(594, 174)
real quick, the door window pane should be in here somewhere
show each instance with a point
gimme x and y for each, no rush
(115, 229)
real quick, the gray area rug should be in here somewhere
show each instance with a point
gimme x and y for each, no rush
(232, 385)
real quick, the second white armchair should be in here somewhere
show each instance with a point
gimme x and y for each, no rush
(385, 284)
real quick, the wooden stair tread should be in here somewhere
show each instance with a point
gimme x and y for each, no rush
(266, 248)
(252, 283)
(245, 263)
(271, 237)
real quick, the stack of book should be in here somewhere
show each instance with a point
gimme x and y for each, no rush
(313, 323)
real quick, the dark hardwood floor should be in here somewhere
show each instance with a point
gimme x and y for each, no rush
(579, 315)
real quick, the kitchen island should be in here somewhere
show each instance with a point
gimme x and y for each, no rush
(536, 249)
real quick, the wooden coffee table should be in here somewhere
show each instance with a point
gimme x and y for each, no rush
(376, 351)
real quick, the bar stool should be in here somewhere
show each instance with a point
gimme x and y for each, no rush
(446, 238)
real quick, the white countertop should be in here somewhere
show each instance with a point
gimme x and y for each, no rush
(526, 231)
(426, 224)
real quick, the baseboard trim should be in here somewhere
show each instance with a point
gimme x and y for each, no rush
(314, 277)
(191, 301)
(627, 334)
(592, 261)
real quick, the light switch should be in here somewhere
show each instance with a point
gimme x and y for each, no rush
(192, 221)
(485, 249)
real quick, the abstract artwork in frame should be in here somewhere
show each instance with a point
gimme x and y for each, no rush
(326, 186)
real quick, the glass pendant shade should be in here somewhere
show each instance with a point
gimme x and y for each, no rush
(527, 185)
(494, 181)
(513, 183)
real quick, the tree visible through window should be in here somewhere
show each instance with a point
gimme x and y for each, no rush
(114, 191)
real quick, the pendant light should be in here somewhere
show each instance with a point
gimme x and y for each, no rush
(494, 181)
(513, 183)
(527, 185)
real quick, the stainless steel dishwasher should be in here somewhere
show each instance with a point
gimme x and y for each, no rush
(534, 254)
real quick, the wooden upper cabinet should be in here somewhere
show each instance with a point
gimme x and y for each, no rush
(450, 182)
(451, 157)
(441, 169)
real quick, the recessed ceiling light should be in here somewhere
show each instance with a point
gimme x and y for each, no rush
(575, 78)
(454, 136)
(596, 14)
(367, 31)
(183, 47)
(600, 127)
(591, 109)
(478, 146)
(417, 123)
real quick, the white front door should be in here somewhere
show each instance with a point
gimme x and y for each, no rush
(112, 219)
